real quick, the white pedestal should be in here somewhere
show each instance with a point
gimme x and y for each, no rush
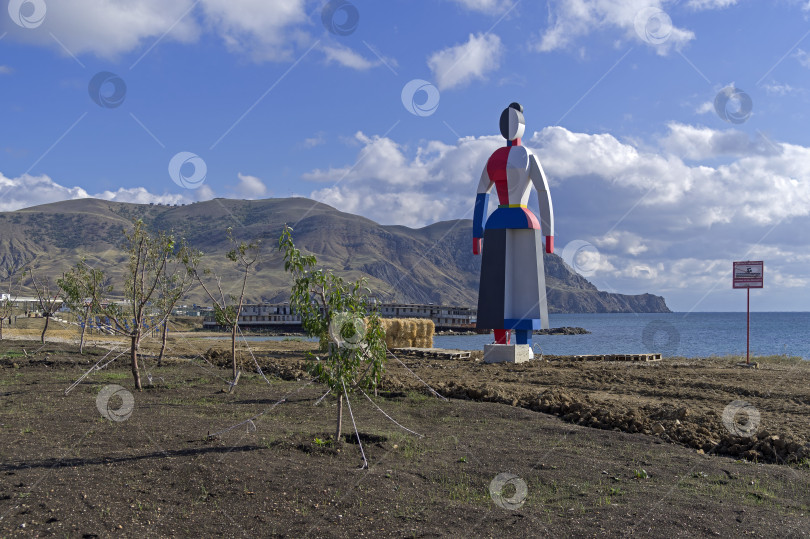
(507, 353)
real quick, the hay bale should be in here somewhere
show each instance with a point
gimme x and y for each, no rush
(421, 328)
(391, 328)
(424, 333)
(408, 332)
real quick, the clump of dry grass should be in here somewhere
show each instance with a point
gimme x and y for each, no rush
(408, 332)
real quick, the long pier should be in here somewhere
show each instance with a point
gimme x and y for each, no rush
(610, 357)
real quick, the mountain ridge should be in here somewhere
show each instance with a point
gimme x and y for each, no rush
(431, 264)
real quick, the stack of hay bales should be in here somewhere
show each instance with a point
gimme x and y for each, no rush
(408, 332)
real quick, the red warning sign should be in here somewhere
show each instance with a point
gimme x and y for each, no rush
(748, 274)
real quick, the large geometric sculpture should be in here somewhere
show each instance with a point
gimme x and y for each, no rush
(512, 290)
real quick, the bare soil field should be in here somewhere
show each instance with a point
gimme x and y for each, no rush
(549, 448)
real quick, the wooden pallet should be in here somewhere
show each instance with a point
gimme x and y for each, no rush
(432, 353)
(615, 357)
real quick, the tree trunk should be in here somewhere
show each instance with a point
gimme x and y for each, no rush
(134, 355)
(233, 350)
(1, 327)
(163, 343)
(339, 419)
(84, 327)
(42, 337)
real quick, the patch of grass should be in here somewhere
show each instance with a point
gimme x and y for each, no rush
(545, 492)
(779, 360)
(411, 448)
(567, 499)
(203, 496)
(746, 490)
(417, 397)
(459, 487)
(206, 402)
(758, 494)
(267, 442)
(112, 376)
(641, 474)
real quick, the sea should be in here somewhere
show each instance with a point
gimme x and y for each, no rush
(696, 334)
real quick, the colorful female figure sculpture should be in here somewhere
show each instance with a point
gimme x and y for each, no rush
(512, 291)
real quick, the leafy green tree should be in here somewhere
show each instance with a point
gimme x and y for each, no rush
(149, 256)
(79, 286)
(340, 314)
(227, 307)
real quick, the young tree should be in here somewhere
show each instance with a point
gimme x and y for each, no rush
(340, 315)
(6, 309)
(79, 286)
(149, 254)
(8, 295)
(175, 282)
(227, 307)
(47, 296)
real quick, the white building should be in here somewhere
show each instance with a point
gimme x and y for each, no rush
(280, 315)
(443, 316)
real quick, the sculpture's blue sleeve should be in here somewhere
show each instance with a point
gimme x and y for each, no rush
(481, 205)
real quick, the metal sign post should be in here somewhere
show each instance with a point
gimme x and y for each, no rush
(748, 275)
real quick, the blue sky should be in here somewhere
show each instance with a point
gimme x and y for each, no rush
(674, 134)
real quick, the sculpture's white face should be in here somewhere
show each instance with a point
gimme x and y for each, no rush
(512, 124)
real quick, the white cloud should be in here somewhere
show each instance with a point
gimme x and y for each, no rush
(250, 187)
(786, 280)
(777, 88)
(710, 4)
(263, 29)
(347, 58)
(26, 191)
(461, 64)
(389, 187)
(702, 143)
(571, 20)
(317, 140)
(5, 70)
(803, 57)
(108, 28)
(763, 184)
(204, 192)
(760, 186)
(626, 242)
(484, 6)
(266, 29)
(657, 222)
(705, 108)
(139, 195)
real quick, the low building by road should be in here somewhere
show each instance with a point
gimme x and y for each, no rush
(279, 316)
